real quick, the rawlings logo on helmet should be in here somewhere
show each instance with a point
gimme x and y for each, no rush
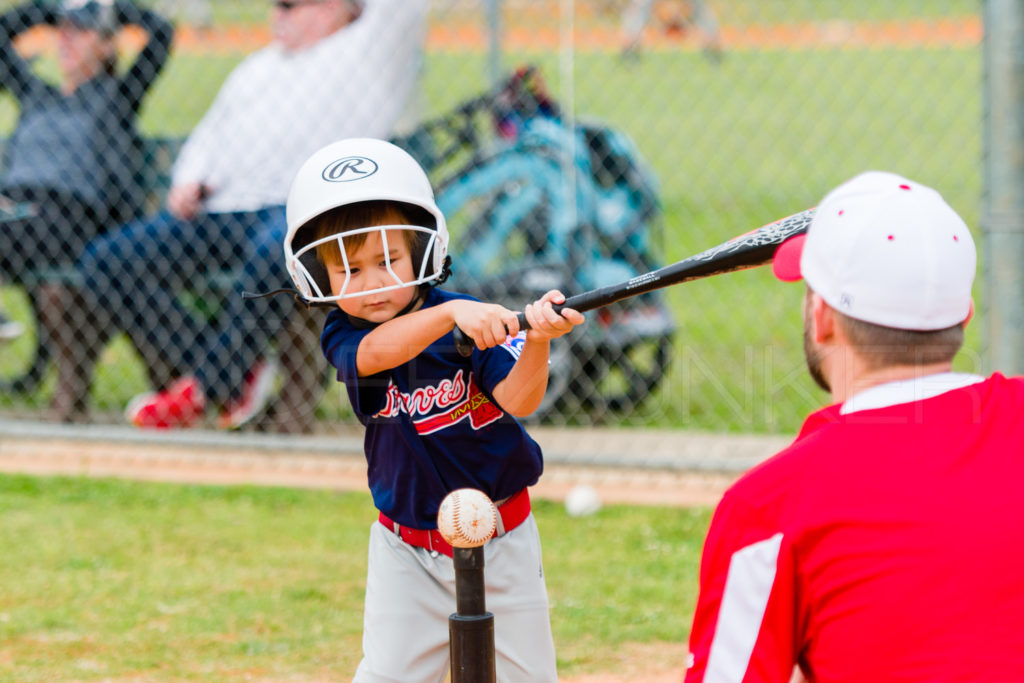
(347, 169)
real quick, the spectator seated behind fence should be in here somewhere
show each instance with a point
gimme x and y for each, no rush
(71, 163)
(335, 69)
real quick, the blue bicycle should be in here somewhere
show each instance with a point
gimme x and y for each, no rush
(551, 205)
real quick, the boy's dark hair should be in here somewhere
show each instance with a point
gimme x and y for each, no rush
(882, 347)
(366, 215)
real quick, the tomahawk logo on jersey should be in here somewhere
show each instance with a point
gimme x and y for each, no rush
(456, 399)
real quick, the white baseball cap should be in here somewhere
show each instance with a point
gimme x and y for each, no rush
(886, 250)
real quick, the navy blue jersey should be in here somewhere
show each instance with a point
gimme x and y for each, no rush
(432, 424)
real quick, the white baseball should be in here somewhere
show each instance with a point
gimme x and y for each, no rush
(467, 518)
(582, 500)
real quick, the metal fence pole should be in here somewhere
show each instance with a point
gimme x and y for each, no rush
(494, 72)
(1002, 220)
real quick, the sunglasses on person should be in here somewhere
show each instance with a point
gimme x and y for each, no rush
(288, 5)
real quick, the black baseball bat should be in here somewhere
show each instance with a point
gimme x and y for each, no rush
(753, 249)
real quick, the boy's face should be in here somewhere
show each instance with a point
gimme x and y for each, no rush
(368, 269)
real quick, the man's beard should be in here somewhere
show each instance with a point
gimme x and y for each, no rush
(811, 353)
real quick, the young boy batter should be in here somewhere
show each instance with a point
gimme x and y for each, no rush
(364, 232)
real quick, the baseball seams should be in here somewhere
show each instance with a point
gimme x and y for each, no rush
(467, 518)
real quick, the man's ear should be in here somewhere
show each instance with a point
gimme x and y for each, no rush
(354, 10)
(824, 319)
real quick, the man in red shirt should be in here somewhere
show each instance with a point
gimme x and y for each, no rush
(887, 542)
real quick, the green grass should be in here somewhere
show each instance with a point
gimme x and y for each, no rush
(113, 580)
(735, 145)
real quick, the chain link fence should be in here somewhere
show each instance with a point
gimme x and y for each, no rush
(571, 144)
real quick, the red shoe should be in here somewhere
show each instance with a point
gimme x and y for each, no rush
(179, 405)
(256, 390)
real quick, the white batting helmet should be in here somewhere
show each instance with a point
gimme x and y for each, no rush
(348, 172)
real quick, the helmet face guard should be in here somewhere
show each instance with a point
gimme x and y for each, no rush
(353, 171)
(314, 284)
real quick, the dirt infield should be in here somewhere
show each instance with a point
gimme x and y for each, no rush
(806, 35)
(192, 462)
(535, 31)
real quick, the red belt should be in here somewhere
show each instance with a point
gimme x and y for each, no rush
(511, 514)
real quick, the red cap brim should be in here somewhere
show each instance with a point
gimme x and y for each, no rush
(786, 262)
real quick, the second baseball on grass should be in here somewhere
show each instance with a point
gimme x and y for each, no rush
(467, 518)
(582, 500)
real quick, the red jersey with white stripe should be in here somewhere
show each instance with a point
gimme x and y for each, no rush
(885, 544)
